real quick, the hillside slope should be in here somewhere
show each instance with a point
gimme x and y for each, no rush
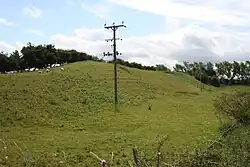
(72, 111)
(85, 87)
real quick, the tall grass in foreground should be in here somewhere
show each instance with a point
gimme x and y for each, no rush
(230, 149)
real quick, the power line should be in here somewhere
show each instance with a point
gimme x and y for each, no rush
(114, 54)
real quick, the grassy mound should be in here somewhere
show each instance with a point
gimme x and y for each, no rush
(60, 116)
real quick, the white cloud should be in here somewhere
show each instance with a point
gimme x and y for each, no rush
(91, 34)
(6, 22)
(19, 45)
(192, 43)
(32, 11)
(5, 47)
(77, 42)
(100, 9)
(212, 11)
(35, 32)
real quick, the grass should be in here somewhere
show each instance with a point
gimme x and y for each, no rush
(61, 116)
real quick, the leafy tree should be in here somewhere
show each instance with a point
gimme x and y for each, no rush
(237, 69)
(14, 61)
(3, 62)
(210, 69)
(220, 70)
(179, 68)
(246, 70)
(161, 67)
(228, 69)
(29, 57)
(187, 66)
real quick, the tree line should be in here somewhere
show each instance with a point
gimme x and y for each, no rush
(140, 66)
(226, 73)
(43, 56)
(40, 56)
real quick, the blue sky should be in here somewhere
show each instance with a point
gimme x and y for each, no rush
(59, 16)
(159, 31)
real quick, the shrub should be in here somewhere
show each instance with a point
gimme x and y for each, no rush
(232, 148)
(235, 106)
(214, 81)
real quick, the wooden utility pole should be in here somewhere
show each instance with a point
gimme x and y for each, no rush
(201, 75)
(115, 53)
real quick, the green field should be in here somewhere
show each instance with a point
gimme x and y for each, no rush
(62, 115)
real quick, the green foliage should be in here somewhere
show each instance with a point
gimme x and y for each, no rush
(216, 157)
(230, 151)
(225, 125)
(214, 81)
(135, 65)
(161, 141)
(161, 67)
(234, 106)
(39, 56)
(232, 148)
(225, 73)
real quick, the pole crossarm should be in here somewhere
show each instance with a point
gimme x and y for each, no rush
(114, 27)
(107, 40)
(111, 54)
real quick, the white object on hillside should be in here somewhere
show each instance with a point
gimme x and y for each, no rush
(32, 69)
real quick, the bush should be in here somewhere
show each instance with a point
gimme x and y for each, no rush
(214, 81)
(231, 149)
(235, 106)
